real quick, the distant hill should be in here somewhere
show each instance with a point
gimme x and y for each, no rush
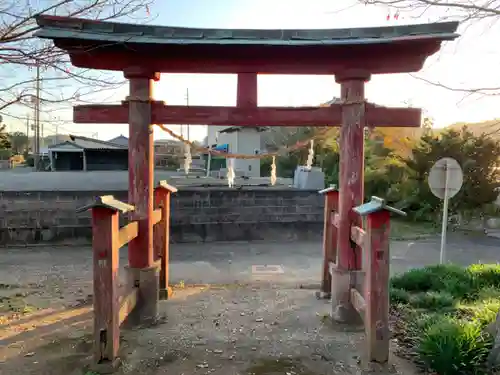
(490, 127)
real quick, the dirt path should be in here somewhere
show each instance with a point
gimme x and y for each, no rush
(261, 329)
(244, 326)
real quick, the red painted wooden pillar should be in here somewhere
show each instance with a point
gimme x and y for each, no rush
(351, 181)
(377, 285)
(161, 232)
(329, 239)
(376, 215)
(141, 164)
(246, 92)
(105, 227)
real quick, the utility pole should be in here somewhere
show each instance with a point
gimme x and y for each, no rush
(27, 133)
(37, 118)
(187, 103)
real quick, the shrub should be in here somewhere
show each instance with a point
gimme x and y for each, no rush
(399, 296)
(483, 313)
(414, 280)
(487, 293)
(485, 275)
(432, 300)
(451, 347)
(450, 278)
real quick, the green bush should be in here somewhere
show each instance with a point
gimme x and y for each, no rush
(30, 161)
(484, 313)
(451, 347)
(432, 300)
(485, 275)
(439, 278)
(453, 339)
(399, 296)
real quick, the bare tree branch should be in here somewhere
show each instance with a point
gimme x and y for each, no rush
(466, 11)
(21, 52)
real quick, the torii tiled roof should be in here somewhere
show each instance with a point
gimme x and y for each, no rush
(53, 27)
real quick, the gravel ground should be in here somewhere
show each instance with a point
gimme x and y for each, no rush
(242, 323)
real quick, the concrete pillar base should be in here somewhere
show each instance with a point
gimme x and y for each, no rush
(323, 295)
(166, 294)
(342, 309)
(107, 367)
(149, 292)
(148, 282)
(132, 280)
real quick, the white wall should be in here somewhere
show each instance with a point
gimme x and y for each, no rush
(212, 133)
(244, 141)
(248, 142)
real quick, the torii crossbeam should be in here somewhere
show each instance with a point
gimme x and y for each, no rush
(376, 116)
(141, 52)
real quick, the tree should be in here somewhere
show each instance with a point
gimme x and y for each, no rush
(4, 138)
(478, 157)
(5, 151)
(466, 12)
(21, 52)
(18, 141)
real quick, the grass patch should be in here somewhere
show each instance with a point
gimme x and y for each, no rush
(452, 346)
(404, 229)
(446, 311)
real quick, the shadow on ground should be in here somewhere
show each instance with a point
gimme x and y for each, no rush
(262, 329)
(248, 325)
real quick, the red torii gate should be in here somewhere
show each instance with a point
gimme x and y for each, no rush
(352, 55)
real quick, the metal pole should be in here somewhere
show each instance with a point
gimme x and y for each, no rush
(209, 161)
(442, 254)
(37, 118)
(27, 133)
(187, 103)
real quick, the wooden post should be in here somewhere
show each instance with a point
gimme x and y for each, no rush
(352, 85)
(376, 249)
(246, 92)
(142, 269)
(377, 286)
(329, 239)
(141, 164)
(161, 232)
(105, 249)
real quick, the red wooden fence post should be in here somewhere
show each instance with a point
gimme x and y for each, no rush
(161, 234)
(376, 250)
(329, 239)
(105, 249)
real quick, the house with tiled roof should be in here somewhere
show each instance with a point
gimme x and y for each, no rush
(87, 154)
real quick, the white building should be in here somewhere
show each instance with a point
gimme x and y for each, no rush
(241, 140)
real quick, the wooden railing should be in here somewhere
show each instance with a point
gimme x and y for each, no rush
(371, 299)
(112, 304)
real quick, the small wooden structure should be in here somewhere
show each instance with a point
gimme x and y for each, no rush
(137, 301)
(367, 289)
(141, 52)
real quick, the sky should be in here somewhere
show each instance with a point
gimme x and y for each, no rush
(464, 63)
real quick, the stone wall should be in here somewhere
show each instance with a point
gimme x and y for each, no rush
(198, 215)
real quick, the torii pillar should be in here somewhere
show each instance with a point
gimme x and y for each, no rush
(143, 271)
(351, 191)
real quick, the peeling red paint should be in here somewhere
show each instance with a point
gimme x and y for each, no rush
(141, 170)
(329, 239)
(351, 170)
(377, 286)
(245, 114)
